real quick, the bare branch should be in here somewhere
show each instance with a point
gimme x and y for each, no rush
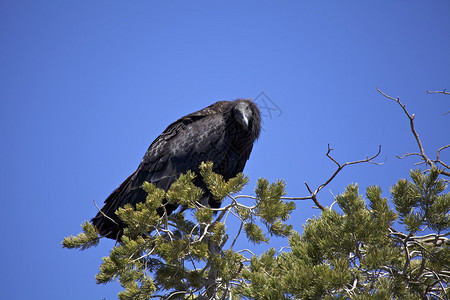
(438, 92)
(246, 250)
(297, 198)
(239, 232)
(414, 132)
(335, 200)
(437, 156)
(329, 156)
(314, 198)
(340, 167)
(411, 122)
(408, 154)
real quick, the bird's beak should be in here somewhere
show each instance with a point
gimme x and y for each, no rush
(241, 116)
(242, 119)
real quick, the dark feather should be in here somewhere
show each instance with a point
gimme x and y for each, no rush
(223, 133)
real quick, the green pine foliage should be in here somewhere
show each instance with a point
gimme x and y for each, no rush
(363, 250)
(178, 255)
(355, 253)
(420, 203)
(271, 209)
(184, 192)
(84, 240)
(217, 185)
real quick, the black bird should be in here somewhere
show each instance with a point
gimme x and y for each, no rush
(223, 133)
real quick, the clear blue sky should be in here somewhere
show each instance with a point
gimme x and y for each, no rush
(85, 87)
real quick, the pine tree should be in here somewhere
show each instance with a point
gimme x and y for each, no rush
(185, 258)
(354, 253)
(367, 248)
(357, 253)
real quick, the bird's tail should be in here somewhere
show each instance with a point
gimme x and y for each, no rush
(106, 221)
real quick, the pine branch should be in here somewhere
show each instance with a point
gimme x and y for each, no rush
(84, 240)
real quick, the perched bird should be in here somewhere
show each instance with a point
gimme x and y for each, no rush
(223, 133)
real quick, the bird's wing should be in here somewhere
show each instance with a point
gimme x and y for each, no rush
(182, 147)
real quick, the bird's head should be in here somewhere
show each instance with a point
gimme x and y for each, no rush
(247, 114)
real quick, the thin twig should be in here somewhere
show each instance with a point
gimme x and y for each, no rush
(439, 92)
(239, 232)
(335, 200)
(438, 159)
(408, 154)
(100, 211)
(246, 250)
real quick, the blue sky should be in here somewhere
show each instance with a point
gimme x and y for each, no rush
(86, 86)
